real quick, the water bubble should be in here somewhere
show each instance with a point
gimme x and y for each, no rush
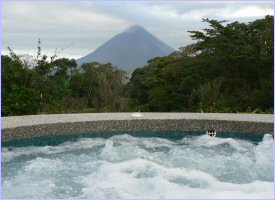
(124, 166)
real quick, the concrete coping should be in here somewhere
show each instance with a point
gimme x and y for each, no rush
(19, 127)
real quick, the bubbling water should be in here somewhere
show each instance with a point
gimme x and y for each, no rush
(134, 167)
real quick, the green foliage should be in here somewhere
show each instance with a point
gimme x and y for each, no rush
(19, 101)
(57, 86)
(228, 69)
(102, 84)
(18, 97)
(88, 110)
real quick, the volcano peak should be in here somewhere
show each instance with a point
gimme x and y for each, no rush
(128, 50)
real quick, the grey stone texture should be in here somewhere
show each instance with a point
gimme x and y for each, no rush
(20, 127)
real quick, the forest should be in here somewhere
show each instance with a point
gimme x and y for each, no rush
(228, 68)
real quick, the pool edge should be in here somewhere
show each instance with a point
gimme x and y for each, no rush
(20, 127)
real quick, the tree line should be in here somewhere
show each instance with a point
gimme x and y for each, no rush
(228, 68)
(58, 86)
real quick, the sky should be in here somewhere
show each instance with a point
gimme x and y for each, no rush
(79, 27)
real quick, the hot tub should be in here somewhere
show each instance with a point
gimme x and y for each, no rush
(111, 161)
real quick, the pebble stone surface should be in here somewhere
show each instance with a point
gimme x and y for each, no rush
(20, 127)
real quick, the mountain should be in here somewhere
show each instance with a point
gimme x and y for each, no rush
(129, 49)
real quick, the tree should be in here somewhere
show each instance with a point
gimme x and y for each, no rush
(239, 54)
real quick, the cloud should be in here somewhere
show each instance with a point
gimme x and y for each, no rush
(58, 24)
(88, 24)
(225, 10)
(250, 11)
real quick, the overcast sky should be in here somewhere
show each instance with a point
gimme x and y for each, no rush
(82, 26)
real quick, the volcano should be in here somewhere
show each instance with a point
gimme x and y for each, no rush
(129, 49)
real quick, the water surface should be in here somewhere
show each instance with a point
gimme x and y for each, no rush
(124, 166)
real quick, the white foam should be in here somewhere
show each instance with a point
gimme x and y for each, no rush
(83, 143)
(207, 141)
(128, 167)
(133, 179)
